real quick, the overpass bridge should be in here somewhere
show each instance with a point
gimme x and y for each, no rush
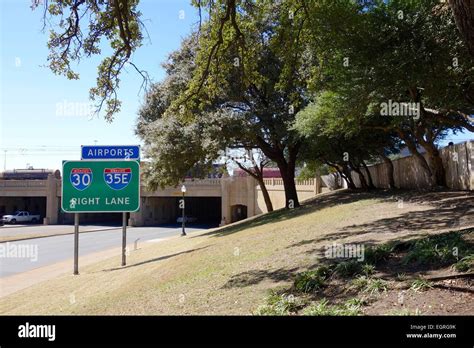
(217, 200)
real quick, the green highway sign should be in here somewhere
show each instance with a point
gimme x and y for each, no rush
(100, 186)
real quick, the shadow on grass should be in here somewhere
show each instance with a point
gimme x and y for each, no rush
(310, 206)
(388, 269)
(256, 276)
(450, 210)
(161, 258)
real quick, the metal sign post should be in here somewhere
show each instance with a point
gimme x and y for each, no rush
(124, 238)
(100, 186)
(76, 243)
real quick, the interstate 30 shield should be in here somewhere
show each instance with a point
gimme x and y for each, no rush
(81, 178)
(117, 178)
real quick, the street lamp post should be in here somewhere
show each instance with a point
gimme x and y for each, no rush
(183, 232)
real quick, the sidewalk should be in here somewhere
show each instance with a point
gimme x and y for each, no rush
(14, 283)
(16, 233)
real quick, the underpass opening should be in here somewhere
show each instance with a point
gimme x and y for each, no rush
(238, 212)
(166, 210)
(33, 205)
(101, 219)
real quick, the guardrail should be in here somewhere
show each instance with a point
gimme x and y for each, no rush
(23, 183)
(279, 182)
(197, 182)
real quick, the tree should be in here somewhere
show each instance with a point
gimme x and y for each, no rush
(192, 143)
(339, 144)
(253, 163)
(408, 53)
(80, 25)
(259, 75)
(77, 28)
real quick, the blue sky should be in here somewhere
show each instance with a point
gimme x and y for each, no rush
(43, 117)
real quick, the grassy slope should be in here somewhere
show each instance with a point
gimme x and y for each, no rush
(228, 271)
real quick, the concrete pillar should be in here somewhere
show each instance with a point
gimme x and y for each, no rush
(137, 218)
(251, 194)
(225, 201)
(52, 201)
(317, 185)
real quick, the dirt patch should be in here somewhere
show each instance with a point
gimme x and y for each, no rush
(448, 297)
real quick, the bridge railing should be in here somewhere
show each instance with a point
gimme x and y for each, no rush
(23, 183)
(279, 182)
(200, 182)
(307, 185)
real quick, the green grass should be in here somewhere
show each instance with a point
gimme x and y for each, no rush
(202, 275)
(310, 281)
(368, 270)
(421, 284)
(346, 269)
(280, 304)
(369, 285)
(404, 312)
(465, 264)
(402, 277)
(438, 250)
(375, 255)
(322, 308)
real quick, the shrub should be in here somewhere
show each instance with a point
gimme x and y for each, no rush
(350, 307)
(309, 281)
(376, 285)
(360, 282)
(347, 269)
(279, 304)
(404, 312)
(368, 269)
(312, 280)
(402, 276)
(374, 255)
(439, 249)
(465, 264)
(421, 284)
(369, 285)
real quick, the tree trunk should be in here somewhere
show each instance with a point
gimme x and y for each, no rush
(288, 176)
(369, 176)
(348, 178)
(340, 172)
(266, 195)
(438, 175)
(419, 157)
(389, 163)
(257, 174)
(363, 182)
(287, 168)
(436, 164)
(463, 11)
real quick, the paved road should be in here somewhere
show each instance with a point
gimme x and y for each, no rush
(45, 251)
(40, 229)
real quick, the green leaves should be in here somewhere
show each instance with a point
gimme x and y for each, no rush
(80, 25)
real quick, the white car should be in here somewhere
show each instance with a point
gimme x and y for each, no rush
(20, 216)
(186, 219)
